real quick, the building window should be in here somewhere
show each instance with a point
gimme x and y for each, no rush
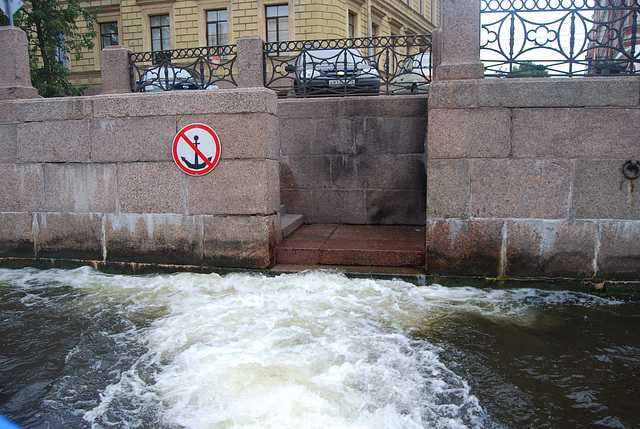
(108, 34)
(374, 30)
(277, 23)
(352, 25)
(160, 33)
(217, 27)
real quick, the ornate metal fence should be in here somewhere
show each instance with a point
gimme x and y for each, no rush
(559, 37)
(373, 65)
(194, 68)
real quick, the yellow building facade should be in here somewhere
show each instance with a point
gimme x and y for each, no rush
(147, 25)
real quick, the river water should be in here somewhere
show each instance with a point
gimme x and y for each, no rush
(84, 349)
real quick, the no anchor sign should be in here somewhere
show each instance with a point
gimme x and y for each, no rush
(196, 149)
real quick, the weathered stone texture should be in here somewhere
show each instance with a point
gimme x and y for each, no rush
(246, 242)
(69, 236)
(619, 249)
(341, 157)
(469, 133)
(132, 139)
(464, 247)
(575, 133)
(54, 109)
(601, 191)
(55, 141)
(8, 138)
(151, 187)
(551, 248)
(246, 136)
(22, 187)
(515, 188)
(16, 238)
(448, 189)
(154, 238)
(80, 188)
(236, 187)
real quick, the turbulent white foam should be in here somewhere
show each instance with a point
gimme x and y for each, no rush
(312, 350)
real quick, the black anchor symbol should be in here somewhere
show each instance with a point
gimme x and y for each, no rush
(196, 165)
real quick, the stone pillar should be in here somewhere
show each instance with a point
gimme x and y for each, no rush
(250, 63)
(15, 80)
(116, 77)
(460, 41)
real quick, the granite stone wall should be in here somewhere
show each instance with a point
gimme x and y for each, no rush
(92, 178)
(354, 160)
(525, 177)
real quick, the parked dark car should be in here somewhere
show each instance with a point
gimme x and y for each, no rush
(334, 71)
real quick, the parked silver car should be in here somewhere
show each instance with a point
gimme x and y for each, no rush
(414, 75)
(167, 78)
(334, 71)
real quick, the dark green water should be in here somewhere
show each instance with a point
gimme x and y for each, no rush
(83, 349)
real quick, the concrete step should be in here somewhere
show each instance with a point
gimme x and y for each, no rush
(359, 245)
(290, 222)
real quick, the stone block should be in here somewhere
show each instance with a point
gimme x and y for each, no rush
(344, 172)
(310, 108)
(453, 94)
(154, 238)
(385, 106)
(151, 187)
(229, 101)
(448, 188)
(395, 207)
(249, 62)
(241, 241)
(338, 206)
(7, 111)
(8, 143)
(550, 248)
(575, 133)
(545, 92)
(619, 250)
(115, 73)
(132, 139)
(54, 109)
(22, 187)
(16, 237)
(57, 141)
(80, 188)
(464, 247)
(15, 80)
(380, 135)
(236, 187)
(392, 172)
(242, 137)
(69, 236)
(601, 191)
(308, 172)
(520, 188)
(322, 136)
(469, 133)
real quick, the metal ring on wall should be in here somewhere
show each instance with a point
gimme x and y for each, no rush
(631, 169)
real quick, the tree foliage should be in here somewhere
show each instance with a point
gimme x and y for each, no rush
(529, 69)
(53, 35)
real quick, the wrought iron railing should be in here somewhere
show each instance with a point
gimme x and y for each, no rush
(370, 65)
(559, 37)
(193, 68)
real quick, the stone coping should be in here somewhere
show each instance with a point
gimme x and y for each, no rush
(536, 92)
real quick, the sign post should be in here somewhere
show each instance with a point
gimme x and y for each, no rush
(196, 149)
(9, 7)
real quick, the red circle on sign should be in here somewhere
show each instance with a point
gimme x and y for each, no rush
(196, 149)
